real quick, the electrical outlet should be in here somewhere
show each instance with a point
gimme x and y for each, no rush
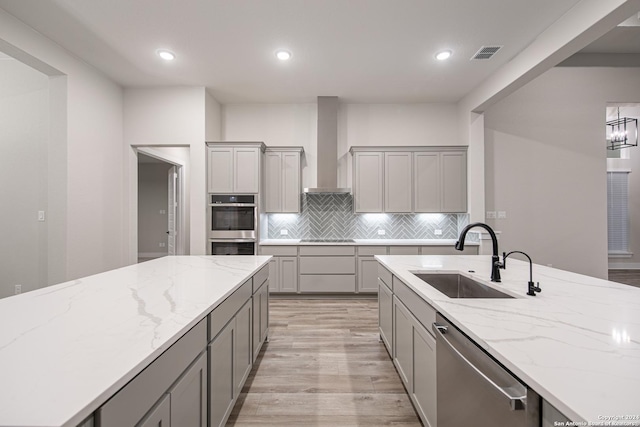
(502, 214)
(17, 290)
(284, 232)
(491, 214)
(162, 244)
(163, 212)
(437, 232)
(41, 216)
(381, 232)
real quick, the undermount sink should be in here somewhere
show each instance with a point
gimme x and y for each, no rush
(459, 286)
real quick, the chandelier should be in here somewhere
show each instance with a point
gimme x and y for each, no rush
(623, 133)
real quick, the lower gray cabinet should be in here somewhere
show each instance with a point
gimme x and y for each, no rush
(385, 315)
(403, 343)
(260, 308)
(283, 274)
(367, 275)
(189, 396)
(242, 351)
(424, 389)
(159, 415)
(221, 386)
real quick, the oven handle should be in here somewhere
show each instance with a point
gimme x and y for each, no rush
(233, 205)
(232, 240)
(516, 401)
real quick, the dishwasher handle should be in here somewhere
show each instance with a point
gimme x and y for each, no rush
(516, 400)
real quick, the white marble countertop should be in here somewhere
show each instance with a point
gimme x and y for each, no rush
(368, 242)
(65, 349)
(577, 343)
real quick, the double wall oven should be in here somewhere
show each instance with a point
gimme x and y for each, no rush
(232, 224)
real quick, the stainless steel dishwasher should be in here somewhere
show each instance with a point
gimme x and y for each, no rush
(474, 389)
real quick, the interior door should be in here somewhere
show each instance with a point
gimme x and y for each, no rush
(172, 211)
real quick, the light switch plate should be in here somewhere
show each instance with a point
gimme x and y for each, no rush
(502, 214)
(491, 215)
(41, 216)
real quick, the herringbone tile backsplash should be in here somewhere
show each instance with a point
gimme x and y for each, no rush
(330, 216)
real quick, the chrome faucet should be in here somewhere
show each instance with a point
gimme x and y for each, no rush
(532, 287)
(495, 258)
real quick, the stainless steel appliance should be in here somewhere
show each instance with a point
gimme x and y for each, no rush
(474, 389)
(232, 247)
(232, 224)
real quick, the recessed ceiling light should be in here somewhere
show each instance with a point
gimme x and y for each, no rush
(443, 54)
(166, 55)
(283, 55)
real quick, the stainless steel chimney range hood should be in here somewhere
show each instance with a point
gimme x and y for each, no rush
(327, 147)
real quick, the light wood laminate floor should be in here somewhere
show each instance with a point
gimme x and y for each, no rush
(323, 366)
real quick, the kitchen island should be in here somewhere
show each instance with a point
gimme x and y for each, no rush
(65, 350)
(576, 343)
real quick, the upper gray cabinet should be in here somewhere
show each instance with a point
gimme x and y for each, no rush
(282, 179)
(234, 167)
(440, 180)
(409, 179)
(368, 179)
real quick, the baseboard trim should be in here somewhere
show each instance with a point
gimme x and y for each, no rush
(624, 266)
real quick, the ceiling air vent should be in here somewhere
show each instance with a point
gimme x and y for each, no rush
(486, 52)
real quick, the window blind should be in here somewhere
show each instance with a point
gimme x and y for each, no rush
(618, 211)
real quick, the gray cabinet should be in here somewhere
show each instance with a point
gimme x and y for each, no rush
(159, 416)
(174, 373)
(367, 275)
(327, 269)
(410, 179)
(243, 351)
(234, 168)
(424, 390)
(221, 386)
(283, 268)
(282, 179)
(440, 180)
(403, 342)
(397, 182)
(404, 321)
(385, 315)
(189, 396)
(368, 181)
(260, 309)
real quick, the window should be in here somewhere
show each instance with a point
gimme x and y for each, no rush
(618, 212)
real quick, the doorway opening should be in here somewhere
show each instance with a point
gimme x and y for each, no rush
(161, 211)
(623, 204)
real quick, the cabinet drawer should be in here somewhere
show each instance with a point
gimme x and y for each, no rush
(385, 276)
(260, 277)
(279, 250)
(228, 308)
(328, 283)
(372, 250)
(132, 402)
(322, 250)
(327, 265)
(404, 250)
(416, 305)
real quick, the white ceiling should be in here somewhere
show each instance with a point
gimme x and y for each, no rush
(359, 50)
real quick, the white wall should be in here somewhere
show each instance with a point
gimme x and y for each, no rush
(276, 125)
(545, 165)
(89, 172)
(24, 123)
(213, 118)
(358, 124)
(168, 117)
